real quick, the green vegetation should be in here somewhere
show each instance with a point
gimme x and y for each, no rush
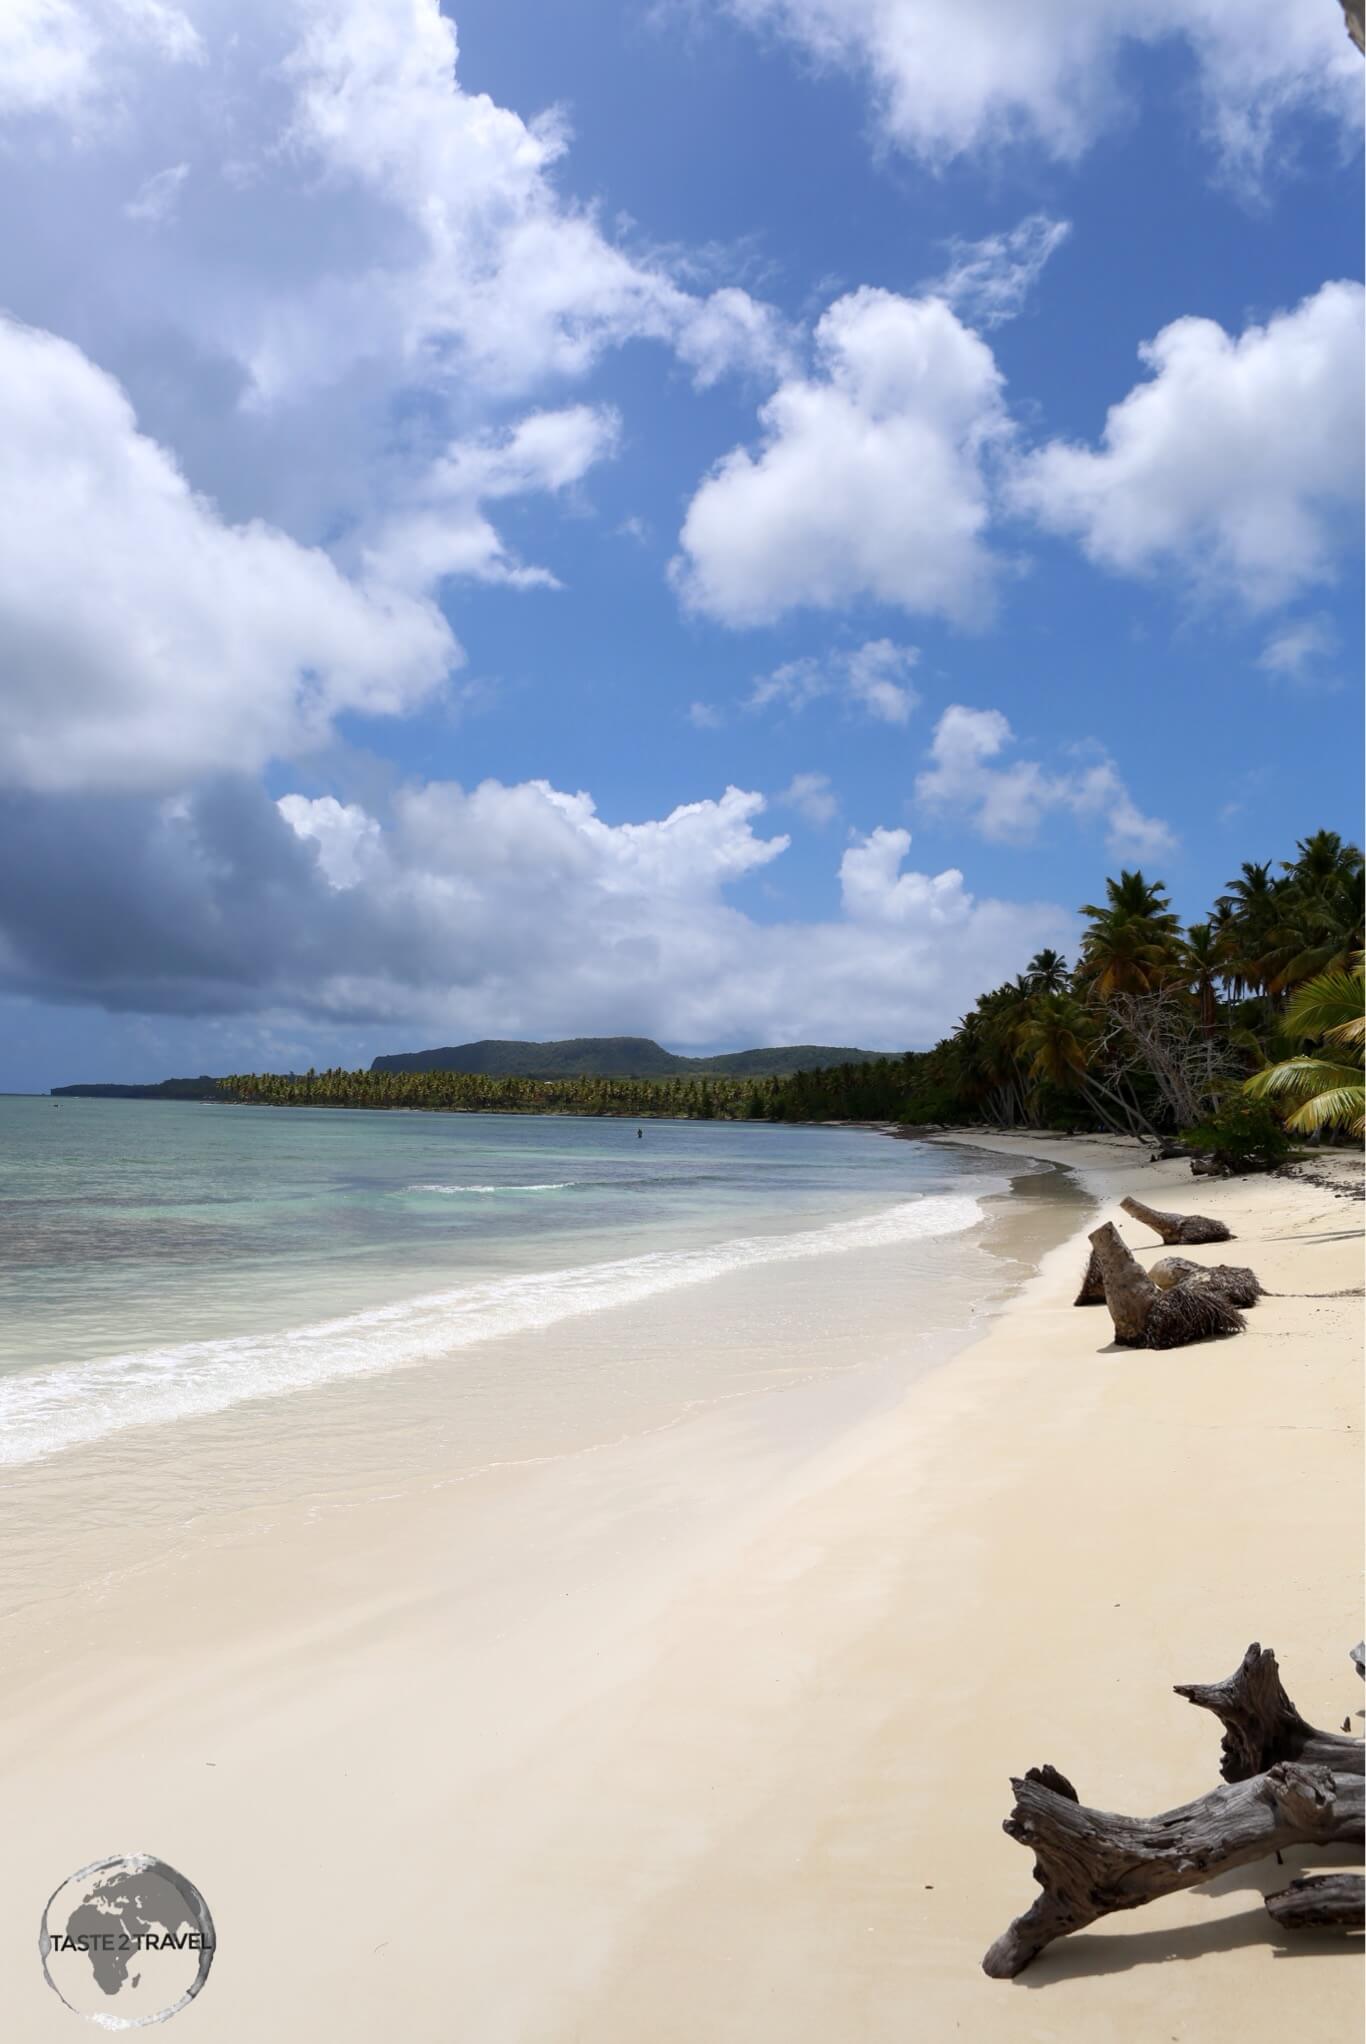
(1241, 1134)
(1157, 1031)
(1324, 1089)
(614, 1057)
(477, 1093)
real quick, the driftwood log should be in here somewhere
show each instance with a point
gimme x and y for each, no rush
(1091, 1863)
(1177, 1230)
(1146, 1316)
(1233, 1281)
(1320, 1902)
(1261, 1724)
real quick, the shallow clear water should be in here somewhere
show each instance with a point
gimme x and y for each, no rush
(160, 1259)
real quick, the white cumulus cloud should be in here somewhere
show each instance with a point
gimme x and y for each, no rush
(1007, 803)
(312, 255)
(868, 480)
(69, 57)
(953, 76)
(492, 911)
(440, 528)
(144, 640)
(1237, 464)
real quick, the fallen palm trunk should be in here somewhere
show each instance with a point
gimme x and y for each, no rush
(1233, 1281)
(1321, 1902)
(1181, 1230)
(1092, 1863)
(1146, 1316)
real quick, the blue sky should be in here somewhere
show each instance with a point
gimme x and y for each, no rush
(451, 450)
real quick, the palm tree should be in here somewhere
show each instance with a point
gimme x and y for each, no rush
(1325, 1091)
(1056, 1040)
(1130, 945)
(1046, 972)
(1134, 896)
(1245, 917)
(1059, 1041)
(1125, 955)
(1320, 858)
(1317, 926)
(1202, 956)
(1320, 930)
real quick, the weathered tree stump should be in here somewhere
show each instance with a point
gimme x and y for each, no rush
(1285, 1783)
(1129, 1292)
(1146, 1316)
(1233, 1281)
(1261, 1724)
(1092, 1291)
(1181, 1230)
(1091, 1863)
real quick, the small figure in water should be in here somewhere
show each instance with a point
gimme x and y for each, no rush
(640, 1135)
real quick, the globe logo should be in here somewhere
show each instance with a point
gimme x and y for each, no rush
(127, 1941)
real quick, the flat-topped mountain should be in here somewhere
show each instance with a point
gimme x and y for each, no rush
(617, 1057)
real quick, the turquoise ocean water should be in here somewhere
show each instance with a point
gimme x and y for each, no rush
(160, 1260)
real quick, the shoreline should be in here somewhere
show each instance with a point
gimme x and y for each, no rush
(705, 1737)
(399, 1428)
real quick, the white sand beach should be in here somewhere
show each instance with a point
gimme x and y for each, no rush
(705, 1737)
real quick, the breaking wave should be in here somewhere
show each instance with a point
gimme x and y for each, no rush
(45, 1411)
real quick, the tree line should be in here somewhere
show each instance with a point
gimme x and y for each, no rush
(1225, 1030)
(1228, 1029)
(485, 1093)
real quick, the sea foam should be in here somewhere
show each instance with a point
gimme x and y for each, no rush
(45, 1411)
(557, 1185)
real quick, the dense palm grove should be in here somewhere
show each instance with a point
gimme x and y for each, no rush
(482, 1093)
(1155, 1031)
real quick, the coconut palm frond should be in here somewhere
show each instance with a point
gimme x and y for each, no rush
(1299, 1076)
(1331, 1005)
(1325, 1095)
(1338, 1107)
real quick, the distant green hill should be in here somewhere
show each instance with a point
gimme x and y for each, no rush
(617, 1057)
(168, 1089)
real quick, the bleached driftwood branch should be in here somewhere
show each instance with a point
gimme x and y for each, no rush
(1285, 1784)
